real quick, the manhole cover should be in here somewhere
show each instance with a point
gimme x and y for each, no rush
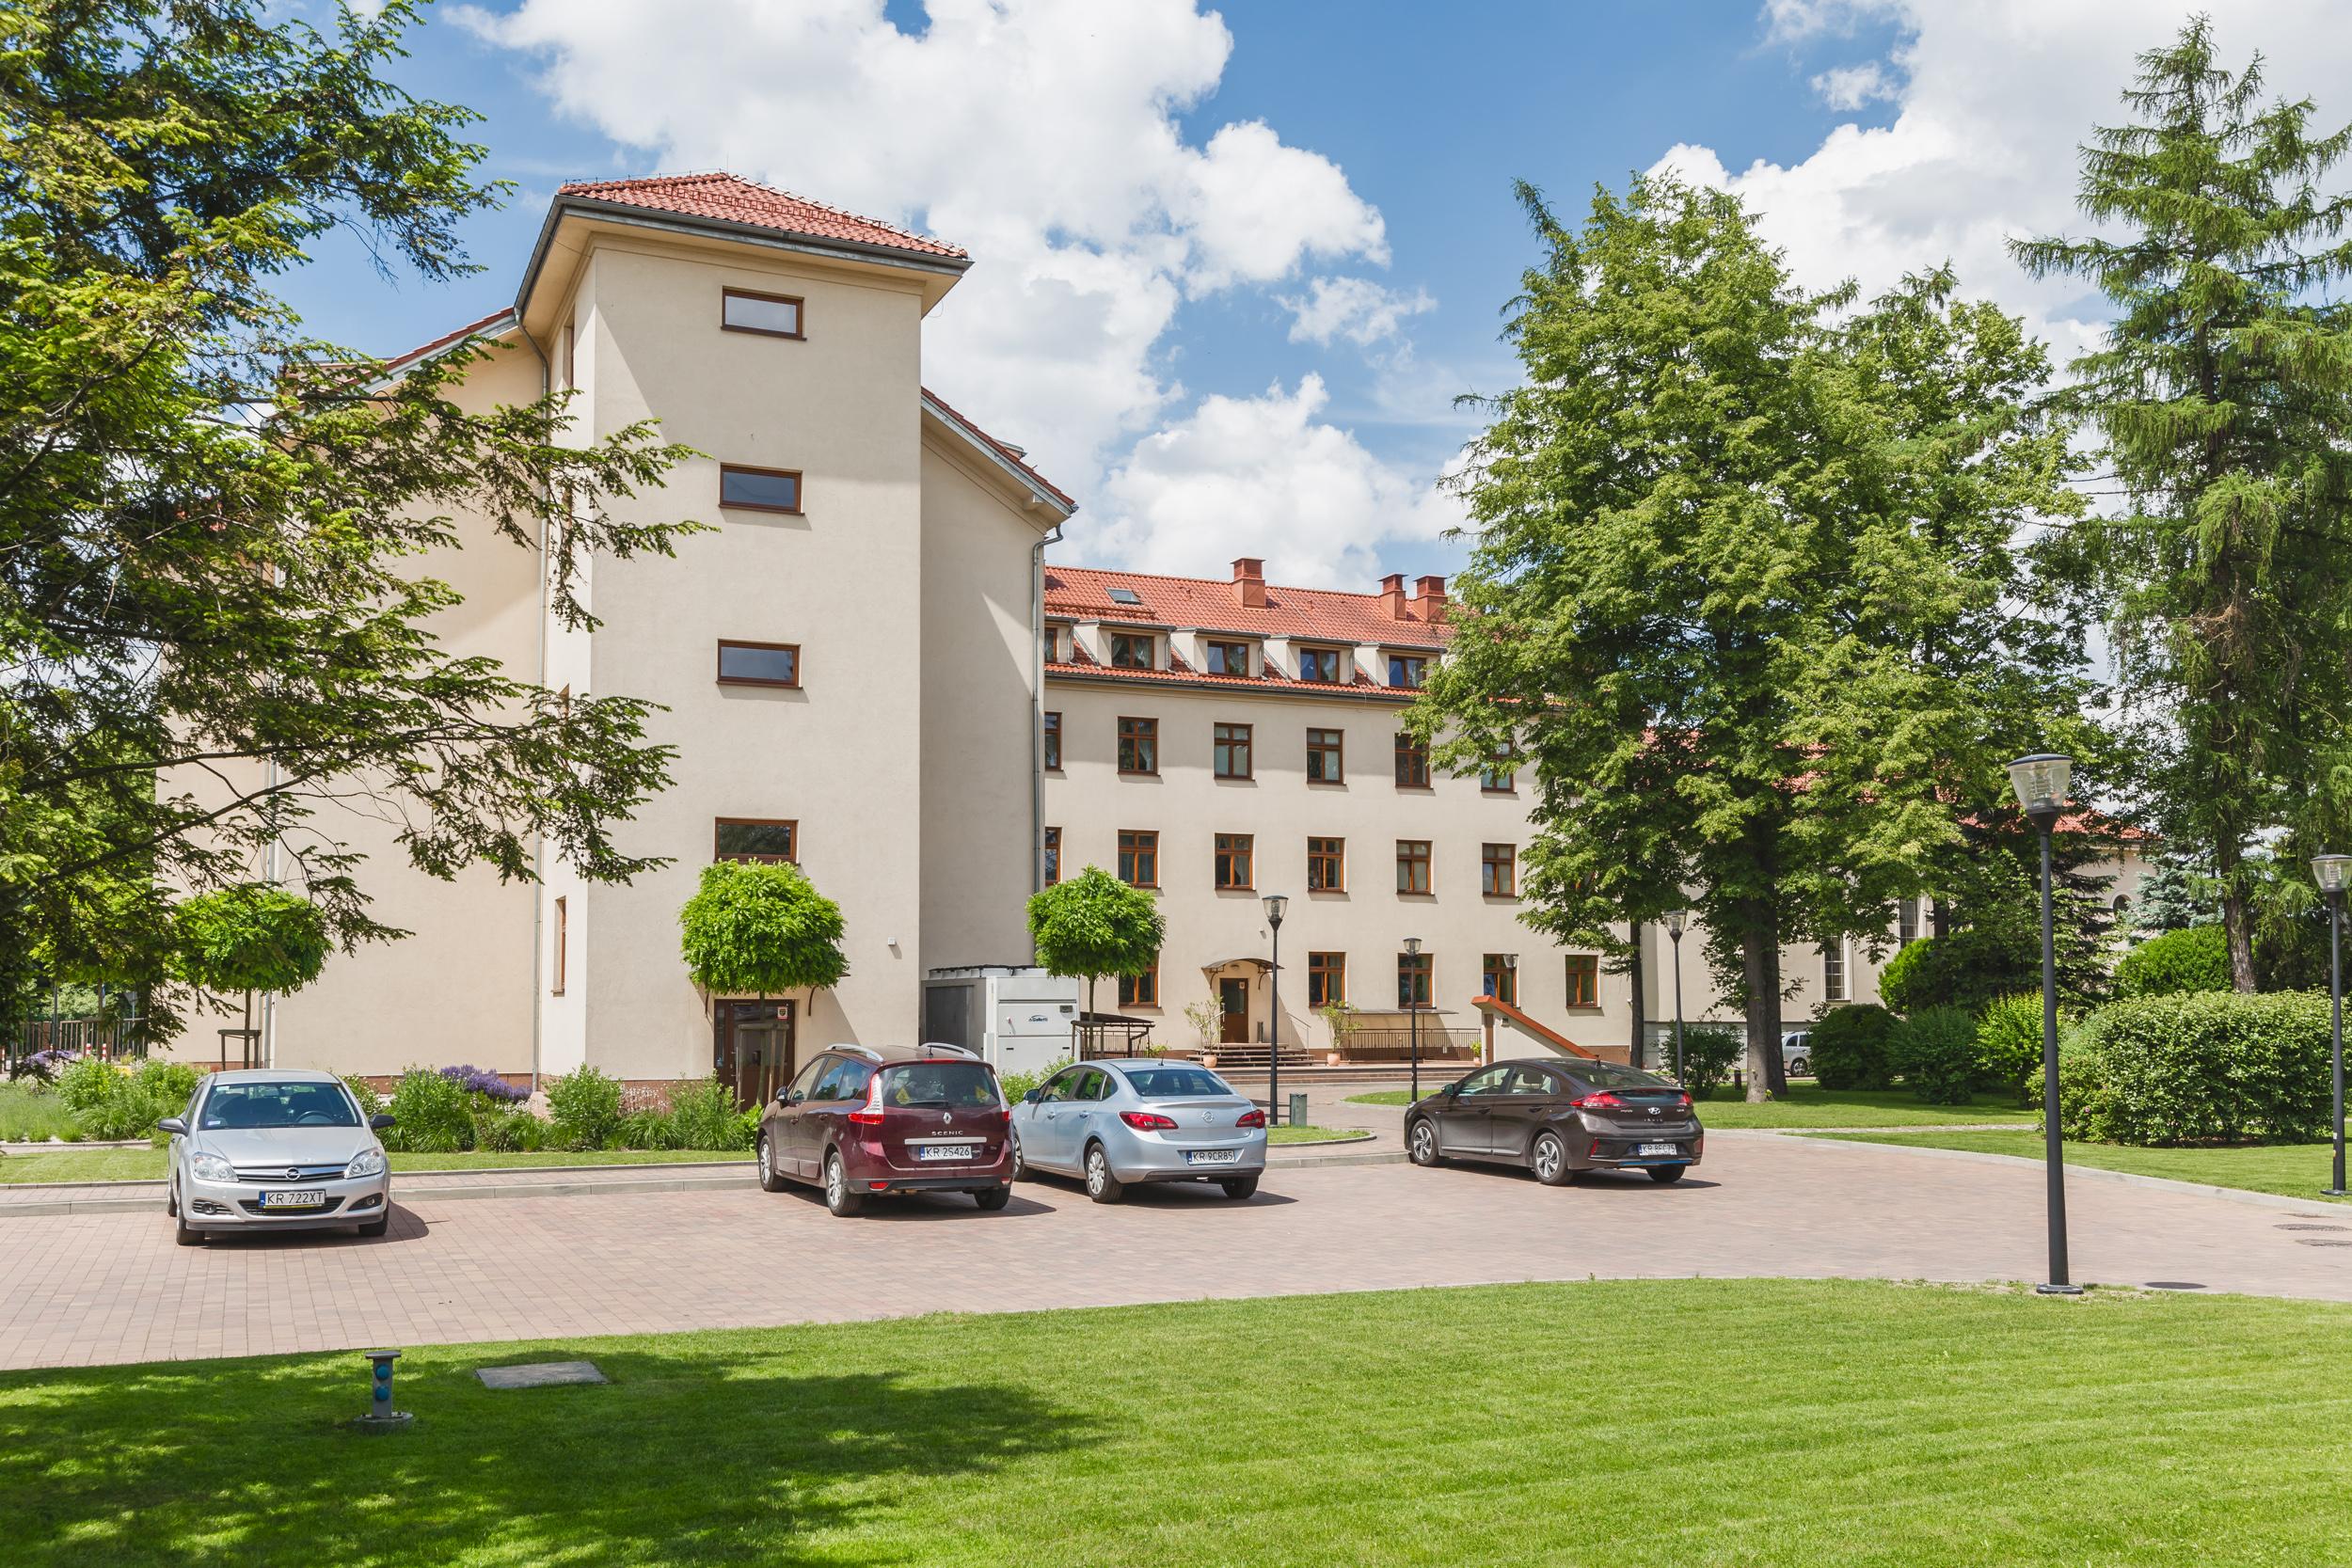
(2322, 1241)
(2174, 1284)
(539, 1374)
(2316, 1227)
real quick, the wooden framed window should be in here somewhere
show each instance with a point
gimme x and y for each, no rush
(1907, 919)
(1235, 872)
(1412, 763)
(1583, 979)
(759, 663)
(1416, 976)
(1499, 978)
(1139, 858)
(1321, 665)
(1133, 649)
(1326, 756)
(756, 838)
(1407, 671)
(1226, 658)
(1501, 775)
(1498, 870)
(768, 316)
(562, 935)
(1834, 971)
(1327, 978)
(1412, 865)
(1138, 744)
(1052, 856)
(1326, 865)
(1229, 748)
(1053, 743)
(748, 489)
(1140, 991)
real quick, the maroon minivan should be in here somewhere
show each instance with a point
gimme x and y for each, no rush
(864, 1121)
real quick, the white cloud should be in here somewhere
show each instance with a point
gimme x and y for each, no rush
(1356, 308)
(1265, 476)
(1852, 86)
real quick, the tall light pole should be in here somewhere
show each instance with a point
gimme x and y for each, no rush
(1412, 1009)
(1275, 904)
(2041, 781)
(2331, 872)
(1674, 928)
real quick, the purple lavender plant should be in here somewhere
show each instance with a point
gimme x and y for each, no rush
(488, 1085)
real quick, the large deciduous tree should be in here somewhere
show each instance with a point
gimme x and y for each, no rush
(1744, 591)
(214, 630)
(2223, 392)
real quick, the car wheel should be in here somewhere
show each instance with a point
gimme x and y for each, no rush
(1421, 1142)
(377, 1226)
(1800, 1068)
(1240, 1188)
(1101, 1185)
(839, 1198)
(771, 1179)
(171, 1200)
(1020, 1165)
(992, 1199)
(186, 1234)
(1663, 1174)
(1549, 1158)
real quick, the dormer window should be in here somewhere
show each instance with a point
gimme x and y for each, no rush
(1133, 651)
(1407, 671)
(1226, 658)
(1319, 664)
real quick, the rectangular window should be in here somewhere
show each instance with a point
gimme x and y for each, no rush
(759, 663)
(754, 838)
(1834, 971)
(1583, 979)
(1052, 856)
(1138, 744)
(1053, 743)
(1499, 978)
(769, 315)
(1326, 865)
(1226, 658)
(1319, 664)
(571, 361)
(1907, 921)
(1140, 991)
(1501, 774)
(1325, 756)
(1233, 862)
(1139, 858)
(1327, 978)
(1231, 746)
(1412, 865)
(1415, 974)
(1412, 763)
(563, 933)
(1407, 671)
(1499, 871)
(1132, 650)
(759, 489)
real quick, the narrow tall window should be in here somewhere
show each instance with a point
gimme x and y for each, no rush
(1138, 744)
(1412, 763)
(769, 315)
(1415, 974)
(571, 360)
(759, 663)
(756, 838)
(1226, 658)
(746, 489)
(1230, 749)
(1321, 665)
(1326, 865)
(1412, 865)
(1583, 979)
(1407, 671)
(1325, 756)
(1140, 991)
(1834, 969)
(562, 943)
(1132, 650)
(1499, 871)
(1139, 858)
(1233, 872)
(1052, 856)
(1327, 978)
(1907, 920)
(1499, 978)
(1053, 743)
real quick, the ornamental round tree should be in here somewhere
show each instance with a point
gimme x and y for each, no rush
(247, 938)
(1095, 925)
(758, 929)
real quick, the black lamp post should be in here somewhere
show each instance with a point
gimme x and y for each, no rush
(1275, 904)
(2331, 872)
(2041, 781)
(1674, 928)
(1412, 1007)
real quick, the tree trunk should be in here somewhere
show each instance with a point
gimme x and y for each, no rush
(2237, 924)
(1759, 964)
(1641, 1011)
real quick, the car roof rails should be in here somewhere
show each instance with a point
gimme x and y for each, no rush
(953, 1050)
(865, 1051)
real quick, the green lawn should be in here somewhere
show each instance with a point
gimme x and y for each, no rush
(1306, 1133)
(133, 1164)
(1819, 1423)
(1806, 1106)
(2296, 1170)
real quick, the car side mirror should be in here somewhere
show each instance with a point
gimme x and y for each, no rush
(792, 1097)
(381, 1120)
(172, 1124)
(1451, 1089)
(1032, 1097)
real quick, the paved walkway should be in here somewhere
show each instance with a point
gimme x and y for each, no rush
(110, 1287)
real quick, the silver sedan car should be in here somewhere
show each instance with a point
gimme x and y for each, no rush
(273, 1149)
(1124, 1120)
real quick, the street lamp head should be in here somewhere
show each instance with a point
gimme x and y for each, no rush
(1675, 919)
(1275, 904)
(2330, 871)
(2041, 781)
(1412, 947)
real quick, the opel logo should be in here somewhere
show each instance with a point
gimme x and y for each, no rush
(294, 1173)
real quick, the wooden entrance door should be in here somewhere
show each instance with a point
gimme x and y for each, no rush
(751, 1048)
(1234, 995)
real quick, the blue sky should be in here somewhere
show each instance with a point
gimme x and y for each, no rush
(1135, 315)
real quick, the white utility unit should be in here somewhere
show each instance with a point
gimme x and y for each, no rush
(1019, 1018)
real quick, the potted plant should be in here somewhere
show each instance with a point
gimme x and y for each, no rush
(1340, 1018)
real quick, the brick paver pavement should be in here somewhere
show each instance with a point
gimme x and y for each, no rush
(110, 1287)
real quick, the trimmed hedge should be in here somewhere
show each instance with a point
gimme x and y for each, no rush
(2170, 962)
(1849, 1047)
(2205, 1066)
(1935, 1050)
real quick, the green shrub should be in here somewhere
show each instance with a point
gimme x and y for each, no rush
(2171, 962)
(508, 1132)
(1016, 1085)
(584, 1110)
(706, 1115)
(1935, 1052)
(1849, 1046)
(1708, 1054)
(1966, 969)
(371, 1102)
(87, 1083)
(2009, 1046)
(112, 1100)
(650, 1128)
(430, 1115)
(2203, 1066)
(30, 1111)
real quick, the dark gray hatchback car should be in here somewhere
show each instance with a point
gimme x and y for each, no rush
(1558, 1118)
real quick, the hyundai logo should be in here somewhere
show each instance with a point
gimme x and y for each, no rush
(1655, 1111)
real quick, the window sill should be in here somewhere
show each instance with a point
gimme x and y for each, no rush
(1419, 789)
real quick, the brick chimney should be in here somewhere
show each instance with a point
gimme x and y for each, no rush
(1429, 598)
(1392, 596)
(1249, 582)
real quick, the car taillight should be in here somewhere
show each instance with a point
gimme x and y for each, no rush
(871, 1113)
(1252, 1118)
(1599, 1099)
(1683, 1100)
(1147, 1122)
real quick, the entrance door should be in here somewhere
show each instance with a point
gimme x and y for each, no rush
(1234, 995)
(751, 1048)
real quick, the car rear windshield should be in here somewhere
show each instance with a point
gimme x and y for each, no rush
(1609, 1076)
(1175, 1083)
(946, 1085)
(230, 1106)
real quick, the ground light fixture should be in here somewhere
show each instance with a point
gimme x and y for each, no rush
(1412, 1012)
(2042, 782)
(2331, 872)
(1675, 920)
(1276, 904)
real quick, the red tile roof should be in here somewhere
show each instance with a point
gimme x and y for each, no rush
(1011, 454)
(1082, 592)
(732, 198)
(498, 319)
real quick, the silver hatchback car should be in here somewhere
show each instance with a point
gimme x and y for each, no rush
(275, 1149)
(1124, 1120)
